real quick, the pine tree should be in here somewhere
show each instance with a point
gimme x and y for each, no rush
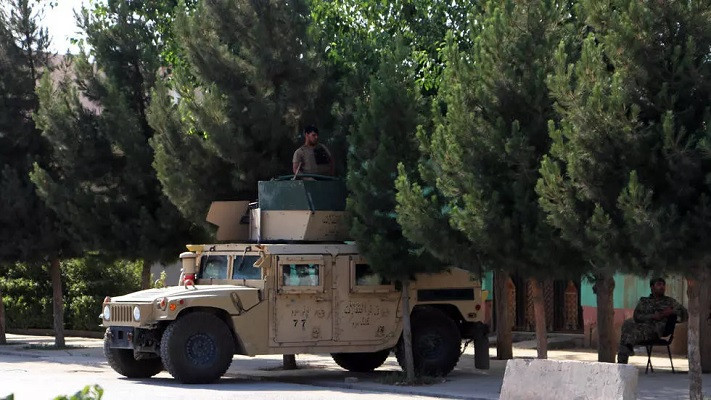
(30, 231)
(253, 80)
(661, 52)
(385, 137)
(489, 134)
(586, 170)
(626, 177)
(101, 181)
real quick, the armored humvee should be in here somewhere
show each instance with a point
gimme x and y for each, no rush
(287, 281)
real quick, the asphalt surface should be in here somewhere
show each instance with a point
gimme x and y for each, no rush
(27, 359)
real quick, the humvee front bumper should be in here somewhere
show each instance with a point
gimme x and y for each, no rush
(120, 337)
(137, 339)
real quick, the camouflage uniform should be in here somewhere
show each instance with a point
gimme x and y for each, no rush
(643, 326)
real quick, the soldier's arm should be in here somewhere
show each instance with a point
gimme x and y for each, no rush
(682, 315)
(297, 161)
(644, 312)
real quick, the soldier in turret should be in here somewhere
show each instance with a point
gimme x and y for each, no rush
(653, 317)
(313, 157)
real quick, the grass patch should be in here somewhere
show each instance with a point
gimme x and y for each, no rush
(398, 378)
(45, 346)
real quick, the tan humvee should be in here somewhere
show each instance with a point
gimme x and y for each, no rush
(288, 298)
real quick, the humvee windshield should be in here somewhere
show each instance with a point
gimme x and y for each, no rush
(213, 267)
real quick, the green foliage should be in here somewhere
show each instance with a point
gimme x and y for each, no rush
(94, 392)
(481, 155)
(626, 180)
(27, 293)
(355, 33)
(661, 53)
(385, 125)
(254, 80)
(29, 230)
(101, 181)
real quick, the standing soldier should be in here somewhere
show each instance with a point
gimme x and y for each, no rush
(312, 157)
(653, 316)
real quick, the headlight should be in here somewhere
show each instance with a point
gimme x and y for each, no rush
(107, 312)
(136, 313)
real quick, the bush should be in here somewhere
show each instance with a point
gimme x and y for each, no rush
(83, 313)
(24, 290)
(89, 280)
(27, 291)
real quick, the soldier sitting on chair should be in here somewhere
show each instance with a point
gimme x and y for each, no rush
(651, 319)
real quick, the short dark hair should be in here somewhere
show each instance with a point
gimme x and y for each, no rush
(655, 280)
(310, 128)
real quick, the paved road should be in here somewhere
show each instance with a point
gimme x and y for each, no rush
(46, 377)
(31, 372)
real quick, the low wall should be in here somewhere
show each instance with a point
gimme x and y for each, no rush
(533, 379)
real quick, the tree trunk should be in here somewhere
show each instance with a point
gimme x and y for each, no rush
(539, 313)
(3, 339)
(57, 301)
(407, 334)
(289, 361)
(692, 291)
(504, 335)
(146, 275)
(604, 286)
(705, 323)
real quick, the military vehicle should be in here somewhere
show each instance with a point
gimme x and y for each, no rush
(285, 280)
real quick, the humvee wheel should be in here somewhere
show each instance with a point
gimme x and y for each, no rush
(361, 362)
(123, 362)
(436, 343)
(197, 348)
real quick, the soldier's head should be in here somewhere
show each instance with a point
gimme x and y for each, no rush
(657, 286)
(311, 135)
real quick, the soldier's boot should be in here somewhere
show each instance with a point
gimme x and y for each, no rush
(624, 353)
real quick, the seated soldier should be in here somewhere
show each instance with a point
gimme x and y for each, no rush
(652, 317)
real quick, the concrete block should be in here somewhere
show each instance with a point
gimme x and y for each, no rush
(531, 379)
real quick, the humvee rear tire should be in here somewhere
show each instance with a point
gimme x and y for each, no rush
(123, 362)
(197, 348)
(361, 362)
(436, 343)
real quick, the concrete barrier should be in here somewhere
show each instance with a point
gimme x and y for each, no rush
(532, 379)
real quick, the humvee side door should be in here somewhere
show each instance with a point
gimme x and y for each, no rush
(302, 304)
(366, 304)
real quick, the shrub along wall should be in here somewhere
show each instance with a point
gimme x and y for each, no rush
(27, 291)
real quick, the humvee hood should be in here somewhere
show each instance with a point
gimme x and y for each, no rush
(150, 295)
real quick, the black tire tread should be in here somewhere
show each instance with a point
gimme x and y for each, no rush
(361, 362)
(429, 318)
(123, 362)
(193, 323)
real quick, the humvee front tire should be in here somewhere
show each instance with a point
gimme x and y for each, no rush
(436, 343)
(361, 362)
(123, 362)
(197, 348)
